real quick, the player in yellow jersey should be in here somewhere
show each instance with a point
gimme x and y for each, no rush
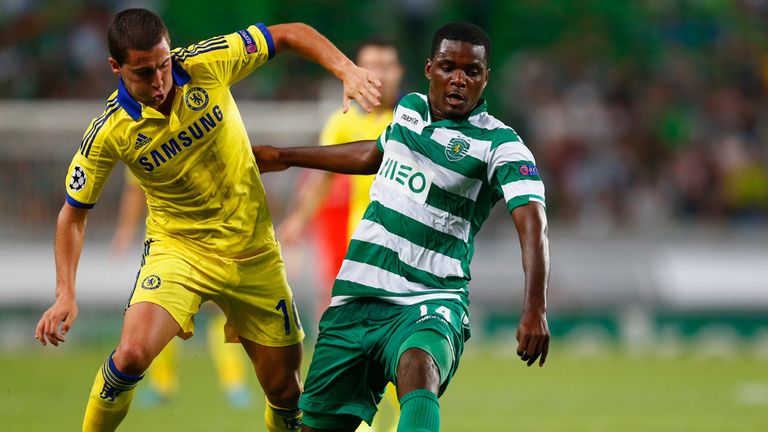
(381, 58)
(175, 125)
(228, 359)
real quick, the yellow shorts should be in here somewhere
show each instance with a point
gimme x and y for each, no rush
(253, 292)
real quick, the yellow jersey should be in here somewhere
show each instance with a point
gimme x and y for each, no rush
(195, 165)
(355, 125)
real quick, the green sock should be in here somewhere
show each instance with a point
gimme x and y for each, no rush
(419, 412)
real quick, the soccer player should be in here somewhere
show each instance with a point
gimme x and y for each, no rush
(381, 58)
(399, 311)
(174, 123)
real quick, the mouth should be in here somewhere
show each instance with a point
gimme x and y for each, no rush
(455, 98)
(158, 97)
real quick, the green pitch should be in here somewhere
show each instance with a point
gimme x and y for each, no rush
(45, 390)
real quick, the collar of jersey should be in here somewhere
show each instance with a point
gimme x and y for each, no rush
(481, 107)
(133, 108)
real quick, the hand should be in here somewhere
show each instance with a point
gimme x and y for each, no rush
(63, 313)
(268, 158)
(360, 85)
(533, 337)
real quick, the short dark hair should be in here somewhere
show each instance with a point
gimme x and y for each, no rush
(462, 32)
(374, 41)
(137, 29)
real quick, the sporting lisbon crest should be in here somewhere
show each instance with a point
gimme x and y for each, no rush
(456, 149)
(196, 98)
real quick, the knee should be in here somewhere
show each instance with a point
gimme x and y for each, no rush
(417, 370)
(283, 393)
(132, 358)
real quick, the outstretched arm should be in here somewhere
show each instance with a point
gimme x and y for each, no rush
(70, 232)
(532, 332)
(359, 84)
(361, 157)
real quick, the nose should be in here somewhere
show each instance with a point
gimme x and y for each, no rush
(157, 80)
(458, 78)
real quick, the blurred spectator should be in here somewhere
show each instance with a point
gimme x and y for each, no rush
(643, 113)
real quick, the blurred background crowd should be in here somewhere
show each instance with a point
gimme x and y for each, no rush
(641, 113)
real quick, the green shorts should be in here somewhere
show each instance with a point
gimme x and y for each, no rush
(356, 355)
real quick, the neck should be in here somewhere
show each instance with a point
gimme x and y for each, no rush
(165, 107)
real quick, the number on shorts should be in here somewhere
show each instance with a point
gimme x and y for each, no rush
(442, 310)
(282, 306)
(295, 314)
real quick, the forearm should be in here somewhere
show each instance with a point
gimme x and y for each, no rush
(531, 223)
(70, 233)
(535, 252)
(360, 157)
(310, 44)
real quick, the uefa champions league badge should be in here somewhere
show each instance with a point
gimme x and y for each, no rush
(196, 98)
(151, 282)
(77, 179)
(456, 149)
(529, 170)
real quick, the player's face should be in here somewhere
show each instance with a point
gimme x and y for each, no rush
(457, 74)
(385, 66)
(147, 74)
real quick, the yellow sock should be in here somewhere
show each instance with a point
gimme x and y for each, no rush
(227, 357)
(281, 419)
(110, 398)
(162, 374)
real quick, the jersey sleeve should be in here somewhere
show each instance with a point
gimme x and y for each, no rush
(381, 143)
(90, 167)
(513, 168)
(231, 57)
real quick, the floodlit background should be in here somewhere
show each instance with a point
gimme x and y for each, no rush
(649, 122)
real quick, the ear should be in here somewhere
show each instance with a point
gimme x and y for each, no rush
(115, 66)
(428, 69)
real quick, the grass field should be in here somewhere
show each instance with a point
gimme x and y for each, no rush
(46, 390)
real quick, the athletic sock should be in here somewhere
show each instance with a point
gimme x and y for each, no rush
(419, 412)
(110, 398)
(282, 419)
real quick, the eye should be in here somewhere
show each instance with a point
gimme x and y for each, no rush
(144, 73)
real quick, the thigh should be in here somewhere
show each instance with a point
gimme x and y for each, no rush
(443, 317)
(344, 384)
(147, 329)
(166, 279)
(259, 304)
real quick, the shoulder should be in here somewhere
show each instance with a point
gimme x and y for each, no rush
(193, 54)
(106, 126)
(414, 101)
(495, 130)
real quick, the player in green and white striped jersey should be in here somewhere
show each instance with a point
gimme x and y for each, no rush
(399, 310)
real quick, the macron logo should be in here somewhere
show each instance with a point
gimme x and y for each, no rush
(141, 141)
(412, 120)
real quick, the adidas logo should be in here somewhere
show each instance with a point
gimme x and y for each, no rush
(141, 141)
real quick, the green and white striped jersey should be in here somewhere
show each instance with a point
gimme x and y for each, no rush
(434, 190)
